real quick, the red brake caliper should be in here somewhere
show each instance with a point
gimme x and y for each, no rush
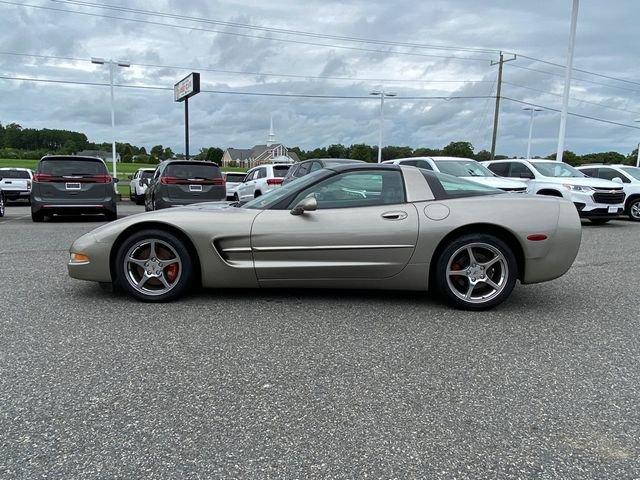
(171, 272)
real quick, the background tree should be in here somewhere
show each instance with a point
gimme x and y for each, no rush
(214, 154)
(337, 150)
(458, 149)
(483, 155)
(360, 151)
(427, 152)
(157, 151)
(391, 153)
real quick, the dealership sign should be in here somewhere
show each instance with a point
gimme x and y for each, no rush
(187, 87)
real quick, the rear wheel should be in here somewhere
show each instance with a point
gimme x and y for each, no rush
(476, 272)
(1, 205)
(111, 216)
(37, 216)
(599, 221)
(236, 198)
(634, 210)
(257, 194)
(154, 266)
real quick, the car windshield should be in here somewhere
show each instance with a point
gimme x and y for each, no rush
(463, 168)
(633, 171)
(189, 170)
(13, 173)
(277, 194)
(556, 169)
(280, 170)
(72, 167)
(235, 177)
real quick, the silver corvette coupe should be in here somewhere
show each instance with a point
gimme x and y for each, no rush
(349, 226)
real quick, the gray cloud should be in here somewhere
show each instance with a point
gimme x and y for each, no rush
(606, 43)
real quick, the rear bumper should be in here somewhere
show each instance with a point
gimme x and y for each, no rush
(168, 202)
(13, 194)
(77, 208)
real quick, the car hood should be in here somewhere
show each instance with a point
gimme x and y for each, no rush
(585, 182)
(497, 182)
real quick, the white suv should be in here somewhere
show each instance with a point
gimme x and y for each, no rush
(260, 180)
(595, 199)
(466, 168)
(139, 183)
(16, 183)
(626, 175)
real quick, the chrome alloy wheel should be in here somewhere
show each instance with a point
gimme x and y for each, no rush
(152, 267)
(635, 210)
(477, 272)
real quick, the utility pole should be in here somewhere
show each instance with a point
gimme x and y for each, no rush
(567, 81)
(496, 113)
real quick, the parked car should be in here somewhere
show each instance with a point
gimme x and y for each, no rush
(72, 185)
(595, 199)
(260, 180)
(626, 175)
(349, 226)
(301, 169)
(466, 168)
(139, 184)
(183, 182)
(16, 183)
(233, 181)
(2, 202)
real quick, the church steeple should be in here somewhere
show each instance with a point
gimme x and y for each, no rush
(272, 136)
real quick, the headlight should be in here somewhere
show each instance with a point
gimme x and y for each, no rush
(578, 188)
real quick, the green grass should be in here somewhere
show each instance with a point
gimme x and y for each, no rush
(123, 169)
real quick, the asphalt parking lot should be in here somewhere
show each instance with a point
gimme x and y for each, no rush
(316, 384)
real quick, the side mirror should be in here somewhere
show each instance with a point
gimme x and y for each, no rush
(130, 177)
(308, 204)
(116, 180)
(617, 180)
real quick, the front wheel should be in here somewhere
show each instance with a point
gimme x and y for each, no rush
(154, 266)
(634, 210)
(476, 272)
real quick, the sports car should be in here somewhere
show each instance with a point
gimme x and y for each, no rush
(358, 226)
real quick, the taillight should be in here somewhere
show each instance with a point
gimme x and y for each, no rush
(168, 180)
(218, 181)
(100, 179)
(274, 181)
(29, 184)
(42, 177)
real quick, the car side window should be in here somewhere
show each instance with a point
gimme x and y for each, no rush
(304, 169)
(590, 172)
(500, 169)
(356, 189)
(261, 173)
(411, 163)
(520, 170)
(315, 166)
(610, 174)
(157, 174)
(293, 171)
(249, 176)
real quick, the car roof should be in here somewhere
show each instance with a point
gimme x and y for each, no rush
(346, 167)
(16, 168)
(619, 165)
(70, 157)
(333, 160)
(177, 160)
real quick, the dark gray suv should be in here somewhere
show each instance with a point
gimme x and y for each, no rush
(72, 185)
(183, 182)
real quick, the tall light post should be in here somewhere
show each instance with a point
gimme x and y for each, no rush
(112, 64)
(381, 94)
(533, 112)
(567, 80)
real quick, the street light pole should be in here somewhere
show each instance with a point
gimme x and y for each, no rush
(567, 81)
(112, 64)
(638, 153)
(382, 94)
(533, 111)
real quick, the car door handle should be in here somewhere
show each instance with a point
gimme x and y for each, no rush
(399, 215)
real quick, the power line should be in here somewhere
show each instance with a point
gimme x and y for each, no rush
(601, 120)
(603, 105)
(235, 92)
(238, 72)
(273, 29)
(300, 42)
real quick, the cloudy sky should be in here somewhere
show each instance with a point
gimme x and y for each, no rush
(162, 53)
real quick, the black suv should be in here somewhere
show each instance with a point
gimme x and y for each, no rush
(304, 168)
(72, 185)
(183, 182)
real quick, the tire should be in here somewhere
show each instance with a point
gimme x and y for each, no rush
(599, 221)
(37, 216)
(633, 210)
(111, 216)
(458, 290)
(167, 246)
(257, 194)
(139, 200)
(2, 205)
(236, 198)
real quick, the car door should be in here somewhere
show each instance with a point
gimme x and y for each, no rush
(132, 183)
(519, 171)
(247, 187)
(363, 228)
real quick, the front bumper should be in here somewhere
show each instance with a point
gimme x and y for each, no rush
(589, 208)
(97, 268)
